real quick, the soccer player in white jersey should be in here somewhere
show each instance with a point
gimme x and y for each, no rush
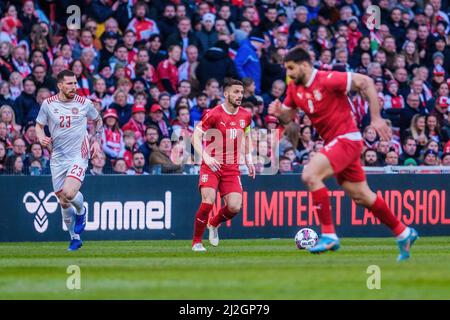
(66, 115)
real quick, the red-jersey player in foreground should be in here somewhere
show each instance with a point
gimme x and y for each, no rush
(223, 129)
(322, 95)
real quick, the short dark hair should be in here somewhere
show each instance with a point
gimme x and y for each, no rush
(28, 79)
(120, 45)
(228, 82)
(182, 108)
(297, 55)
(64, 73)
(138, 152)
(405, 141)
(152, 127)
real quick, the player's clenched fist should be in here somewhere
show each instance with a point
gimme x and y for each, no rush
(275, 108)
(211, 162)
(45, 142)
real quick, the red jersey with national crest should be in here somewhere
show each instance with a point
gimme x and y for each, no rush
(223, 133)
(324, 99)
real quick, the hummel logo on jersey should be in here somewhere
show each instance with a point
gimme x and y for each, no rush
(40, 205)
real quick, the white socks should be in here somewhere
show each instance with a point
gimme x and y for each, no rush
(78, 203)
(69, 219)
(404, 234)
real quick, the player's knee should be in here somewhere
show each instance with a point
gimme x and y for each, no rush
(64, 204)
(208, 199)
(234, 207)
(359, 198)
(69, 195)
(309, 178)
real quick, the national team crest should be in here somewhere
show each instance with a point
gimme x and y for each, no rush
(74, 110)
(204, 178)
(242, 123)
(317, 95)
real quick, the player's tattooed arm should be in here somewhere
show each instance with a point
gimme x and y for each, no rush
(249, 154)
(366, 88)
(98, 128)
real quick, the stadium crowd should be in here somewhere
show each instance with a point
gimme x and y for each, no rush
(153, 68)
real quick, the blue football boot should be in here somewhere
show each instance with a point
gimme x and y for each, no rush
(406, 244)
(325, 244)
(80, 222)
(75, 244)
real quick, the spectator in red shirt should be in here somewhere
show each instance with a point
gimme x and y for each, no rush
(142, 26)
(393, 100)
(112, 136)
(136, 123)
(168, 72)
(181, 127)
(131, 147)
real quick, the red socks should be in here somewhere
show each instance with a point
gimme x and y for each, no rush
(382, 212)
(379, 209)
(201, 218)
(321, 202)
(223, 215)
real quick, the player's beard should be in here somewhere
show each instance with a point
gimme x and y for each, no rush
(69, 95)
(299, 79)
(235, 103)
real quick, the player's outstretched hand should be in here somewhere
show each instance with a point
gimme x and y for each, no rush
(95, 149)
(275, 108)
(382, 128)
(211, 162)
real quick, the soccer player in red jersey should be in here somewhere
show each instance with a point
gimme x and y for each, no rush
(222, 129)
(322, 95)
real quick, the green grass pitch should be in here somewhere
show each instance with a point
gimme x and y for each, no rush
(237, 269)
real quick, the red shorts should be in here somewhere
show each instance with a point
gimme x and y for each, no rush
(344, 156)
(224, 181)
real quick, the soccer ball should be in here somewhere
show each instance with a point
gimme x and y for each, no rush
(306, 238)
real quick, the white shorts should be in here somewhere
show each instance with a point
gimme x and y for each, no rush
(74, 168)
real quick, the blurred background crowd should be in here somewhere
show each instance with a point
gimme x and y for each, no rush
(153, 68)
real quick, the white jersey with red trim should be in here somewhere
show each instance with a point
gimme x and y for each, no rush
(67, 123)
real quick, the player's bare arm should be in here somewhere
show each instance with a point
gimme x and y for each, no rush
(95, 140)
(197, 139)
(42, 138)
(366, 87)
(248, 155)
